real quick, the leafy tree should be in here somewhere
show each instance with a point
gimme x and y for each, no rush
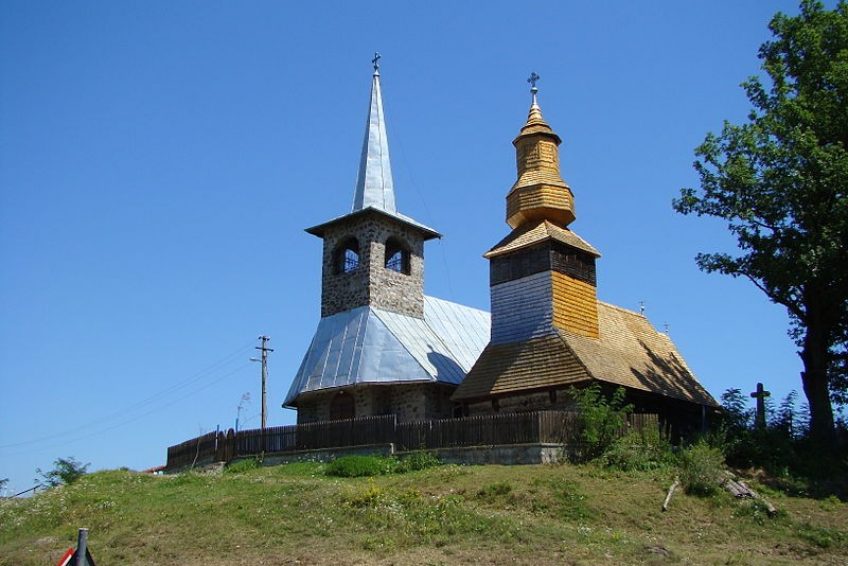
(780, 182)
(65, 471)
(785, 418)
(3, 483)
(738, 417)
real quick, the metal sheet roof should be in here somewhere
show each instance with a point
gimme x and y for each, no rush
(375, 190)
(368, 345)
(464, 330)
(374, 186)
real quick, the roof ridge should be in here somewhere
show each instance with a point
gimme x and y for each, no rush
(620, 308)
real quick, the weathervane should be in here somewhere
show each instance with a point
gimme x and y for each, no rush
(534, 78)
(376, 62)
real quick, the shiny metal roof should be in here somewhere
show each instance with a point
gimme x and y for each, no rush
(374, 185)
(368, 345)
(375, 188)
(464, 330)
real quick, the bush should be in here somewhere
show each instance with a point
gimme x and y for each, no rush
(638, 451)
(360, 466)
(701, 467)
(241, 466)
(601, 419)
(65, 471)
(417, 461)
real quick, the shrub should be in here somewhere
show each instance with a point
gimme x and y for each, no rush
(638, 451)
(241, 466)
(360, 466)
(701, 467)
(602, 419)
(372, 496)
(65, 471)
(417, 461)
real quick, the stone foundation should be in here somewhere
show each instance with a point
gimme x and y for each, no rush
(505, 455)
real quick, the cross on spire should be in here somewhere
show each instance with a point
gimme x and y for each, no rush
(532, 80)
(376, 61)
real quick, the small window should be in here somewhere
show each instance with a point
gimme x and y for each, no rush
(397, 256)
(346, 256)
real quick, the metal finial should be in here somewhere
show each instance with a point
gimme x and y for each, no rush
(534, 78)
(376, 61)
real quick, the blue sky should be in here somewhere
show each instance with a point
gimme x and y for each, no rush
(159, 161)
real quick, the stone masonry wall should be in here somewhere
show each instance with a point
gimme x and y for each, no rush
(372, 283)
(411, 402)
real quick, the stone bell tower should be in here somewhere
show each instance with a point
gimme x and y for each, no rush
(373, 256)
(381, 346)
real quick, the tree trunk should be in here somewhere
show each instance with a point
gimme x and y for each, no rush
(814, 354)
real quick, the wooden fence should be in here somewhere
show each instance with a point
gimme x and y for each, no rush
(557, 427)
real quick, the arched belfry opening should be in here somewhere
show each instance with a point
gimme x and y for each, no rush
(342, 406)
(346, 256)
(397, 256)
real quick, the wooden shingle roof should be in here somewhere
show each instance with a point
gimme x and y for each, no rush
(533, 233)
(630, 353)
(518, 366)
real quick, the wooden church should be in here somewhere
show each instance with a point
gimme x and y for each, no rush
(383, 347)
(549, 330)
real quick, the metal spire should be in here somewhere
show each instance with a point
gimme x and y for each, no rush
(535, 116)
(374, 185)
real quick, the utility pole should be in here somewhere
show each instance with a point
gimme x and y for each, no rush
(263, 347)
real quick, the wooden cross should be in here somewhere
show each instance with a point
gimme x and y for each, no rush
(376, 61)
(533, 79)
(760, 395)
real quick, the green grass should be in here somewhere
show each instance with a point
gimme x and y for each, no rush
(369, 466)
(560, 514)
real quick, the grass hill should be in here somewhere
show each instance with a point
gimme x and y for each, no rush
(297, 514)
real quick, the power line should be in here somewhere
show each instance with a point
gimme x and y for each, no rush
(125, 422)
(198, 376)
